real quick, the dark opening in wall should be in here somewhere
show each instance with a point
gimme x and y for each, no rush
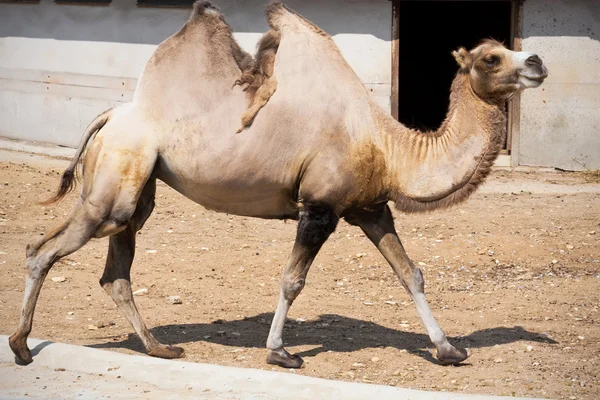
(429, 32)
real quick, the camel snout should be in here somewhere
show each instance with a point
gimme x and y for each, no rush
(535, 68)
(533, 60)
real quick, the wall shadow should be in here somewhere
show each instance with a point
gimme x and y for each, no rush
(330, 331)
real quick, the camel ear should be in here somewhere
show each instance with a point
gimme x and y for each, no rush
(463, 58)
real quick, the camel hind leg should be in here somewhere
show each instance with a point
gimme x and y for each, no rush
(113, 179)
(63, 240)
(116, 279)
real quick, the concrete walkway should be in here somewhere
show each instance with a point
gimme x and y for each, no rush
(63, 371)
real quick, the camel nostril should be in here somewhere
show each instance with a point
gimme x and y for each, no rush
(533, 60)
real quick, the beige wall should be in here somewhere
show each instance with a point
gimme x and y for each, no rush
(560, 122)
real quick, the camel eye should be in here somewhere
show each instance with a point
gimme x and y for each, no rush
(491, 61)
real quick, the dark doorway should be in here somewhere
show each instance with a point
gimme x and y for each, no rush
(428, 32)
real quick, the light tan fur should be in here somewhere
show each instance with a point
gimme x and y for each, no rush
(318, 148)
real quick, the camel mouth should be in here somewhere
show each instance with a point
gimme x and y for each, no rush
(533, 80)
(535, 76)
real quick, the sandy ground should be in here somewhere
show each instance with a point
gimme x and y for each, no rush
(513, 274)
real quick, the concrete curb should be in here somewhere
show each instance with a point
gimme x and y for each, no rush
(76, 372)
(50, 150)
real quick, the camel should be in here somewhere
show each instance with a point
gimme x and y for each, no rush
(316, 149)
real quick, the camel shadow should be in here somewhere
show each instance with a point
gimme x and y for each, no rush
(331, 332)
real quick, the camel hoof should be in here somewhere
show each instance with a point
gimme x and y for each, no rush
(19, 347)
(168, 352)
(284, 359)
(452, 355)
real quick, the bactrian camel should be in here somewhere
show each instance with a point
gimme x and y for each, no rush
(315, 147)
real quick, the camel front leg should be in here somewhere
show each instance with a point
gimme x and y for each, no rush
(379, 228)
(314, 227)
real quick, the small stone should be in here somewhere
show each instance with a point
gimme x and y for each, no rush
(592, 232)
(204, 248)
(174, 300)
(70, 313)
(580, 337)
(490, 252)
(570, 247)
(498, 360)
(59, 279)
(358, 365)
(207, 337)
(529, 348)
(390, 302)
(422, 264)
(151, 251)
(236, 334)
(375, 359)
(300, 320)
(397, 372)
(141, 292)
(554, 261)
(92, 327)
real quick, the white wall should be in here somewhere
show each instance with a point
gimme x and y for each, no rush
(61, 65)
(560, 122)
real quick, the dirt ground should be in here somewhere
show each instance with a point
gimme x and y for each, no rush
(512, 275)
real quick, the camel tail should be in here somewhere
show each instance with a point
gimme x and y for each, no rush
(67, 180)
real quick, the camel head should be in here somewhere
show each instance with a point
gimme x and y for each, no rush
(497, 73)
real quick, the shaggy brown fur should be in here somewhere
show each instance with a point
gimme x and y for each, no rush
(260, 82)
(202, 9)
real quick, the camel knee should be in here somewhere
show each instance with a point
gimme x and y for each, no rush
(119, 289)
(412, 279)
(417, 280)
(292, 288)
(38, 262)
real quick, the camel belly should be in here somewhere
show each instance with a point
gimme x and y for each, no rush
(251, 199)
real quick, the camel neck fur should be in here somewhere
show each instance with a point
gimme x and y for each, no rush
(432, 170)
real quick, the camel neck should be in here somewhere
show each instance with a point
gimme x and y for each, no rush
(430, 170)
